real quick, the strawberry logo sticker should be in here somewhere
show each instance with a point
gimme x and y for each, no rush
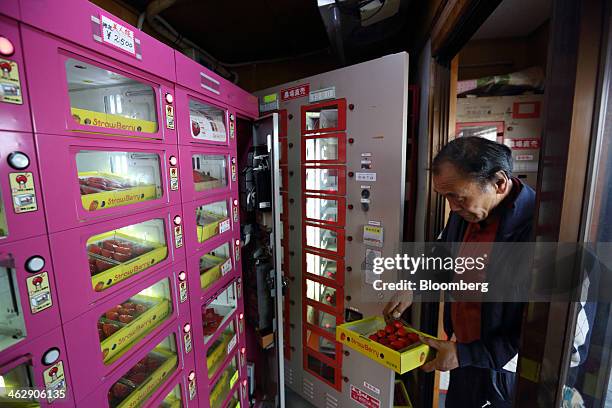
(37, 281)
(21, 180)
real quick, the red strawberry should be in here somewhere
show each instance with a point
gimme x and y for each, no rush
(381, 333)
(401, 332)
(111, 315)
(373, 337)
(125, 318)
(392, 337)
(390, 329)
(397, 325)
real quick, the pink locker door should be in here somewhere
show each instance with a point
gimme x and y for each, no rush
(99, 260)
(102, 180)
(30, 306)
(14, 105)
(93, 95)
(42, 365)
(107, 336)
(207, 171)
(22, 213)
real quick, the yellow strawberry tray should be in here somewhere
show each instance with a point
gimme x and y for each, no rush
(157, 377)
(214, 266)
(223, 386)
(218, 352)
(158, 309)
(123, 270)
(109, 121)
(212, 226)
(171, 402)
(116, 198)
(355, 335)
(208, 185)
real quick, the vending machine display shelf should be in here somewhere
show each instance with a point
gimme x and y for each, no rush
(134, 387)
(356, 335)
(203, 181)
(212, 268)
(218, 352)
(117, 333)
(171, 402)
(222, 388)
(211, 224)
(114, 257)
(107, 190)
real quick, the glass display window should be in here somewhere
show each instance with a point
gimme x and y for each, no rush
(212, 219)
(327, 148)
(174, 399)
(214, 265)
(12, 320)
(15, 379)
(222, 387)
(220, 349)
(218, 311)
(208, 123)
(209, 171)
(330, 179)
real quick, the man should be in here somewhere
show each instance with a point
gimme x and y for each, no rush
(487, 205)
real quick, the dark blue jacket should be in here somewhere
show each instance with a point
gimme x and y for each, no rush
(500, 322)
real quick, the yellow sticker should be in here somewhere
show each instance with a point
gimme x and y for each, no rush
(54, 379)
(10, 85)
(269, 98)
(23, 192)
(39, 292)
(234, 379)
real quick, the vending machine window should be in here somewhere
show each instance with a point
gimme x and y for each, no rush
(321, 369)
(103, 98)
(218, 311)
(209, 171)
(320, 265)
(17, 378)
(235, 401)
(324, 209)
(321, 319)
(212, 220)
(321, 293)
(207, 122)
(140, 381)
(173, 399)
(119, 254)
(12, 321)
(321, 179)
(3, 224)
(113, 178)
(214, 265)
(220, 349)
(321, 344)
(325, 118)
(324, 148)
(224, 384)
(128, 322)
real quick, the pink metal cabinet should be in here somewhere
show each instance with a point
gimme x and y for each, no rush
(11, 9)
(80, 92)
(105, 338)
(207, 171)
(41, 364)
(29, 303)
(245, 103)
(143, 176)
(193, 76)
(210, 221)
(86, 268)
(80, 22)
(14, 105)
(21, 203)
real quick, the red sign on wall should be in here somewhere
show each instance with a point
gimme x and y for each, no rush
(295, 92)
(363, 398)
(523, 143)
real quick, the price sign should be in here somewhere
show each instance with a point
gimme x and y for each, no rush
(117, 35)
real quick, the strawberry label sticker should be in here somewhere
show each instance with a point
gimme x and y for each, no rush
(364, 399)
(232, 126)
(233, 172)
(187, 339)
(178, 236)
(54, 379)
(169, 116)
(233, 379)
(174, 178)
(237, 251)
(235, 212)
(192, 389)
(226, 267)
(232, 344)
(39, 292)
(10, 85)
(183, 291)
(224, 226)
(23, 192)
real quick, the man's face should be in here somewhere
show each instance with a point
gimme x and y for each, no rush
(470, 199)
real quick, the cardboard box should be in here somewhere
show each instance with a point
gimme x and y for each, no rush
(355, 335)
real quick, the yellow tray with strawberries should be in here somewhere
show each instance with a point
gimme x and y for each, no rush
(121, 268)
(110, 121)
(215, 224)
(156, 310)
(356, 335)
(217, 267)
(114, 198)
(171, 402)
(218, 353)
(223, 386)
(153, 381)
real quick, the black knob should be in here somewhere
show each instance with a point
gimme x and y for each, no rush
(348, 268)
(291, 145)
(365, 193)
(349, 238)
(291, 201)
(290, 116)
(347, 353)
(350, 206)
(348, 298)
(365, 206)
(291, 227)
(291, 173)
(351, 140)
(351, 106)
(351, 174)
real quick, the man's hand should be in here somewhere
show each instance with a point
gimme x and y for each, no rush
(446, 357)
(397, 305)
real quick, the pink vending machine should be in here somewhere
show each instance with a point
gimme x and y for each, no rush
(207, 110)
(33, 358)
(102, 101)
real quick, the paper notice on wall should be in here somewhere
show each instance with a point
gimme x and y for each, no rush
(365, 176)
(373, 235)
(117, 35)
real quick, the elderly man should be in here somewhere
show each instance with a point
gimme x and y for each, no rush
(487, 205)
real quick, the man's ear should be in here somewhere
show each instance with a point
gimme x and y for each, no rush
(502, 182)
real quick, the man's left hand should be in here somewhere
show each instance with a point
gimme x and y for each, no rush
(446, 357)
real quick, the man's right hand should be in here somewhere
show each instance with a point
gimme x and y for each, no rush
(397, 305)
